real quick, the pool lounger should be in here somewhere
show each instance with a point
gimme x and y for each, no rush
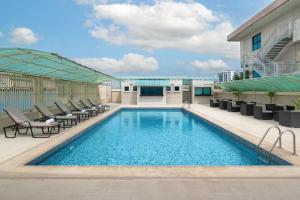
(23, 122)
(105, 106)
(92, 112)
(67, 120)
(86, 106)
(80, 115)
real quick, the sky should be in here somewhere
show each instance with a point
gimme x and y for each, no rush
(131, 38)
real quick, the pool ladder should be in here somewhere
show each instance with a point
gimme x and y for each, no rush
(278, 139)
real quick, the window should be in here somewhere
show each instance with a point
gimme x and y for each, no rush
(203, 91)
(152, 91)
(256, 42)
(126, 88)
(168, 89)
(176, 88)
(134, 88)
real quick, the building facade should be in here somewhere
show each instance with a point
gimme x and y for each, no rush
(225, 76)
(270, 40)
(163, 91)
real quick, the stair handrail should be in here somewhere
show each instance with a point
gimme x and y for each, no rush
(278, 33)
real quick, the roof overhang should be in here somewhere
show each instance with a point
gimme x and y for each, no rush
(276, 9)
(50, 65)
(153, 83)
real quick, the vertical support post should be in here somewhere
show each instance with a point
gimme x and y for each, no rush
(38, 90)
(244, 67)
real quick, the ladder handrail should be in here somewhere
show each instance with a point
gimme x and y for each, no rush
(279, 138)
(266, 133)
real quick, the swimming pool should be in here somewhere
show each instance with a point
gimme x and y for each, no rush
(154, 137)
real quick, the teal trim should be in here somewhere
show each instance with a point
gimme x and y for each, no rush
(152, 83)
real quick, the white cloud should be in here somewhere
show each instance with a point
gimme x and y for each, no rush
(128, 63)
(165, 25)
(1, 34)
(210, 66)
(23, 35)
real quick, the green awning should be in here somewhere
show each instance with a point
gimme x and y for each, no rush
(282, 83)
(152, 83)
(51, 65)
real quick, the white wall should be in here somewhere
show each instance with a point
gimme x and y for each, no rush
(130, 97)
(292, 55)
(133, 98)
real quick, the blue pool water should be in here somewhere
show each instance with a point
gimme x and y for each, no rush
(156, 137)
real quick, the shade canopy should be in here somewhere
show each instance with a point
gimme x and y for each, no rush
(45, 64)
(152, 83)
(282, 83)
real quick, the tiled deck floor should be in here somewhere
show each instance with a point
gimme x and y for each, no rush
(152, 188)
(256, 127)
(144, 189)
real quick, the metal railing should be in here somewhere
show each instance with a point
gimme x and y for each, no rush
(284, 30)
(262, 64)
(278, 140)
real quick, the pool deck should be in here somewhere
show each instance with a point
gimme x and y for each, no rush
(149, 182)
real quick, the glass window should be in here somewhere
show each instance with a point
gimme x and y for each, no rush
(152, 91)
(256, 42)
(126, 88)
(203, 91)
(176, 88)
(134, 88)
(168, 89)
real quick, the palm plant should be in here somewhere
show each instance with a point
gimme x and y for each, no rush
(271, 94)
(237, 94)
(297, 104)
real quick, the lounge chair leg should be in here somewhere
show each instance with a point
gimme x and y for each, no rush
(39, 136)
(15, 132)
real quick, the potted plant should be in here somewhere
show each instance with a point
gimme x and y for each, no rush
(297, 104)
(237, 94)
(271, 94)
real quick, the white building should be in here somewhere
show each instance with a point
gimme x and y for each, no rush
(165, 90)
(269, 41)
(225, 76)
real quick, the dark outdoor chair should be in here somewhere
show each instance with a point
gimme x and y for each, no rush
(276, 110)
(247, 108)
(232, 106)
(67, 120)
(24, 123)
(239, 102)
(223, 104)
(214, 103)
(270, 106)
(261, 114)
(289, 118)
(80, 115)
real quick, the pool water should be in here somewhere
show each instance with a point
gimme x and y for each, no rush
(154, 137)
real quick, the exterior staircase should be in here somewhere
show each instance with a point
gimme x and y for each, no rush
(262, 63)
(276, 49)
